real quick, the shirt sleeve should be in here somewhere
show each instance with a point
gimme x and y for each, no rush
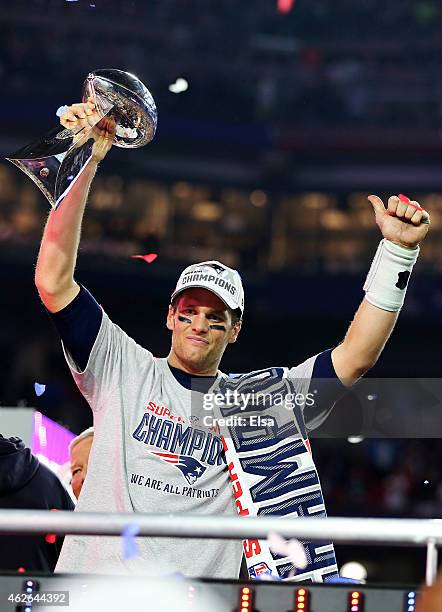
(321, 387)
(78, 325)
(105, 362)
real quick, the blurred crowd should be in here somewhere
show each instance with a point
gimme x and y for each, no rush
(324, 64)
(254, 230)
(381, 477)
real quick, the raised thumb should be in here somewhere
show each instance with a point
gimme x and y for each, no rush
(377, 204)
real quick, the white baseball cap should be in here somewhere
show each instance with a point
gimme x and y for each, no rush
(215, 277)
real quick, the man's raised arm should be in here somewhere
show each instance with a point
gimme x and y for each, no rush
(54, 274)
(403, 225)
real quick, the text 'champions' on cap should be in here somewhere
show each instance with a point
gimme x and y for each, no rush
(215, 277)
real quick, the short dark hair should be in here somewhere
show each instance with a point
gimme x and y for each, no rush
(235, 314)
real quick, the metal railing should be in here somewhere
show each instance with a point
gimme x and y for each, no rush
(397, 532)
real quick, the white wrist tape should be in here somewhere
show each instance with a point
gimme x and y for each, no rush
(387, 279)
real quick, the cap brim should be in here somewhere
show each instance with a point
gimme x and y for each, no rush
(232, 306)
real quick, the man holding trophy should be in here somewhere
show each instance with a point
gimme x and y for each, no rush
(148, 454)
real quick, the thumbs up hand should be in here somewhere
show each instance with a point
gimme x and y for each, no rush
(403, 222)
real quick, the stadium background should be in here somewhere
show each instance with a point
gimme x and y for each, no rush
(264, 162)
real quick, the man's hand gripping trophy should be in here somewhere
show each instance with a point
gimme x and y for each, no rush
(80, 118)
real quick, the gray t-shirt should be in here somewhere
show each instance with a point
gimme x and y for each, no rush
(141, 426)
(150, 456)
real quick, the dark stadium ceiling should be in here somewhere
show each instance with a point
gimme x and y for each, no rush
(266, 91)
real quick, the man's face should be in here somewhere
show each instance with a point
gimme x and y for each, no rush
(201, 328)
(79, 460)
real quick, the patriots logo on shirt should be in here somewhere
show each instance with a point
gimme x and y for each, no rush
(190, 467)
(259, 569)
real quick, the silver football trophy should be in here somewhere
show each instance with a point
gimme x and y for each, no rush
(56, 160)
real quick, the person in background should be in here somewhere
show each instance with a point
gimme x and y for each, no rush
(79, 450)
(27, 484)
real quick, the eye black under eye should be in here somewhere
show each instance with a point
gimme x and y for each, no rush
(217, 326)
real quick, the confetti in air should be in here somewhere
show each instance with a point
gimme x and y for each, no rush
(39, 389)
(130, 547)
(179, 86)
(285, 6)
(150, 257)
(292, 549)
(61, 110)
